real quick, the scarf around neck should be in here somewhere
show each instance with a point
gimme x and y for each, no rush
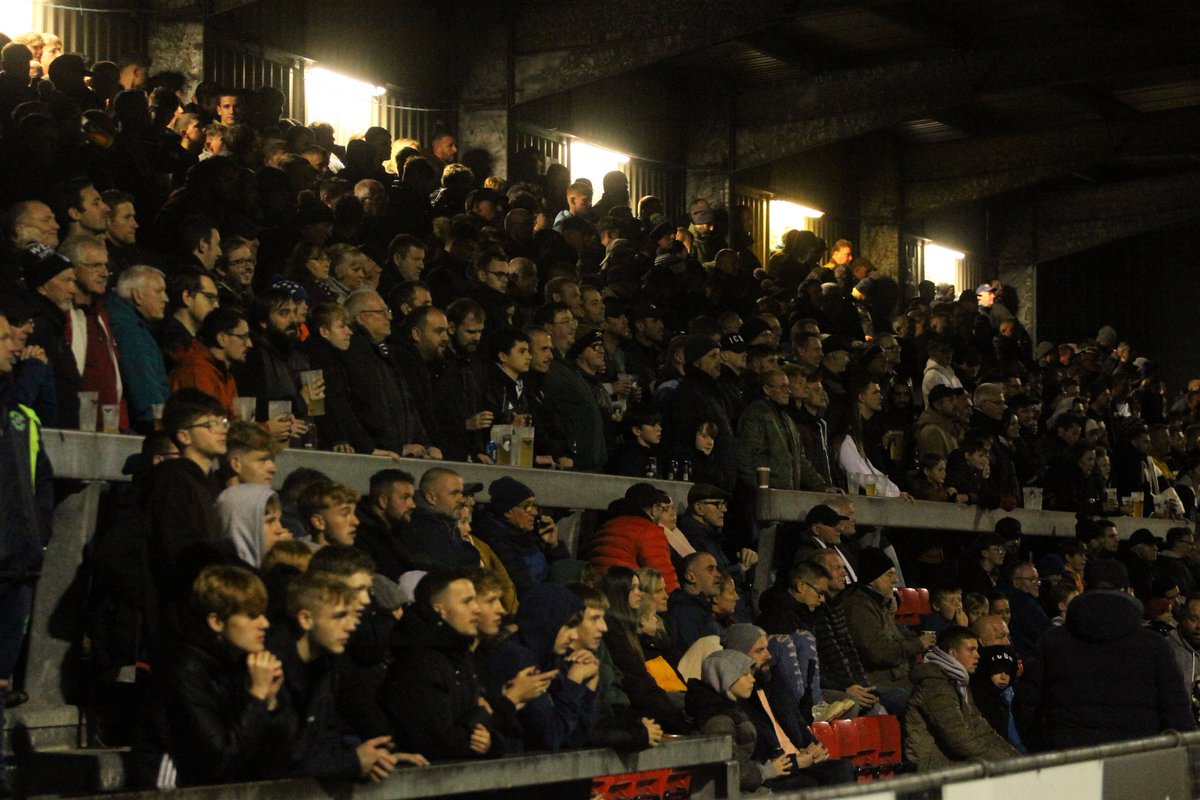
(951, 668)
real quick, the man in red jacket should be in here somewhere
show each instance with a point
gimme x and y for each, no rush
(634, 538)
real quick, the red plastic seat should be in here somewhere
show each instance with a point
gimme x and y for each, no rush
(882, 735)
(827, 737)
(850, 743)
(911, 604)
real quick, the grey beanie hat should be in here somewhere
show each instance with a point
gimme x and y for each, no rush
(723, 668)
(741, 637)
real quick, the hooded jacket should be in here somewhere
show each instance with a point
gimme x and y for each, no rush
(431, 695)
(241, 510)
(942, 724)
(714, 713)
(562, 717)
(1102, 677)
(697, 400)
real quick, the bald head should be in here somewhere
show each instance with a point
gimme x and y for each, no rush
(991, 630)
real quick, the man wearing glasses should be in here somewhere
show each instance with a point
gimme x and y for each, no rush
(92, 341)
(703, 525)
(1029, 621)
(523, 538)
(182, 531)
(490, 290)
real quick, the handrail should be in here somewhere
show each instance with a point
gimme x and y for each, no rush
(100, 457)
(774, 505)
(976, 769)
(454, 778)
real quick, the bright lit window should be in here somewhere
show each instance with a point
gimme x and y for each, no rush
(592, 162)
(943, 265)
(784, 215)
(345, 103)
(16, 17)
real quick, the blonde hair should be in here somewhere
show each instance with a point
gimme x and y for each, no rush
(292, 552)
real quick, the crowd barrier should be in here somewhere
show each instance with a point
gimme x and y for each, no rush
(47, 721)
(1161, 767)
(707, 758)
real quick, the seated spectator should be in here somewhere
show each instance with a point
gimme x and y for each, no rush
(947, 603)
(887, 654)
(225, 714)
(384, 522)
(1102, 677)
(437, 542)
(778, 714)
(320, 617)
(546, 638)
(618, 724)
(690, 607)
(1029, 620)
(993, 693)
(327, 511)
(979, 570)
(640, 675)
(942, 724)
(525, 540)
(250, 518)
(727, 677)
(633, 538)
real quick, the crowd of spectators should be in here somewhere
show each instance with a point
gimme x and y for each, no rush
(179, 263)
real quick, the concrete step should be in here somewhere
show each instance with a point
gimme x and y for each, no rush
(70, 772)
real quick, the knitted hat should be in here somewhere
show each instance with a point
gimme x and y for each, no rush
(753, 329)
(695, 347)
(995, 659)
(506, 493)
(741, 637)
(1107, 336)
(313, 212)
(872, 563)
(1105, 573)
(42, 263)
(583, 341)
(722, 669)
(644, 495)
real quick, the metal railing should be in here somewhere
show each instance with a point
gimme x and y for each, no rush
(1111, 755)
(705, 756)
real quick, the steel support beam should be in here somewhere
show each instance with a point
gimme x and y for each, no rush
(1057, 224)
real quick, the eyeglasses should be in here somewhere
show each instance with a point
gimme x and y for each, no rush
(574, 323)
(245, 337)
(809, 585)
(221, 424)
(1031, 580)
(94, 265)
(213, 297)
(387, 312)
(529, 505)
(241, 262)
(719, 505)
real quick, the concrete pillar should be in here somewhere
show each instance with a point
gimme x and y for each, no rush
(176, 43)
(485, 101)
(1023, 277)
(881, 203)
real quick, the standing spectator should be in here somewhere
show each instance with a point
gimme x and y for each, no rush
(767, 437)
(698, 399)
(572, 386)
(137, 308)
(222, 341)
(1102, 677)
(191, 295)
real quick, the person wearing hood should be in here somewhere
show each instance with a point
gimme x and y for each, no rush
(698, 399)
(942, 724)
(726, 678)
(993, 693)
(525, 540)
(224, 710)
(633, 538)
(250, 517)
(1102, 677)
(546, 638)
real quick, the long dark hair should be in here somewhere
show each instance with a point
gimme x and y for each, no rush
(622, 618)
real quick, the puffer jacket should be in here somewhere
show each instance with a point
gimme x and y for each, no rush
(633, 541)
(942, 724)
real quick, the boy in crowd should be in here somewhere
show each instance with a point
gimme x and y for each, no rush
(327, 510)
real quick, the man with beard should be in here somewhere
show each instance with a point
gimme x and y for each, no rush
(419, 348)
(458, 393)
(271, 371)
(384, 515)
